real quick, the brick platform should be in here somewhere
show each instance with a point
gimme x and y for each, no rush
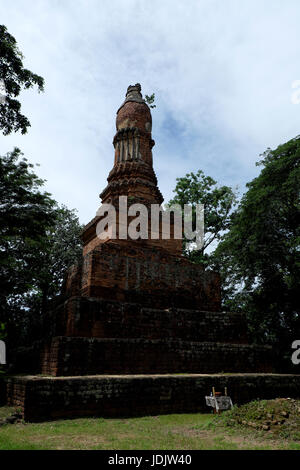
(45, 398)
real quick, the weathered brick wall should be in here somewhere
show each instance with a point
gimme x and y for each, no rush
(91, 317)
(149, 276)
(85, 356)
(42, 398)
(138, 115)
(170, 244)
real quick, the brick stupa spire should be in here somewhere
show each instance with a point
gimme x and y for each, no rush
(133, 174)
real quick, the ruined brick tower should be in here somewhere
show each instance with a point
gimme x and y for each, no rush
(138, 306)
(132, 174)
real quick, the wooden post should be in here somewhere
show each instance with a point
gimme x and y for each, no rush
(214, 395)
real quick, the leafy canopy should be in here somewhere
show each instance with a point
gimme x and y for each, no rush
(38, 241)
(218, 202)
(14, 77)
(260, 255)
(25, 212)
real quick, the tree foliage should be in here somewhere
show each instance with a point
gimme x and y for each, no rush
(25, 212)
(61, 248)
(218, 203)
(15, 78)
(259, 256)
(38, 241)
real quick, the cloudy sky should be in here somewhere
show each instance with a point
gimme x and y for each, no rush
(221, 70)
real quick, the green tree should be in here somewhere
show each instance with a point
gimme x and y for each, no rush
(259, 256)
(38, 241)
(25, 212)
(61, 248)
(14, 77)
(218, 203)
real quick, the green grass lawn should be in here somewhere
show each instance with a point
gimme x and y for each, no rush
(167, 432)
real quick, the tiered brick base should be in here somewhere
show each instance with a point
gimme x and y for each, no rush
(139, 306)
(44, 398)
(133, 272)
(84, 356)
(97, 336)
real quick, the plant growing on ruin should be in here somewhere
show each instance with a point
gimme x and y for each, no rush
(150, 100)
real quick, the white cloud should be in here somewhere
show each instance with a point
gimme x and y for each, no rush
(222, 70)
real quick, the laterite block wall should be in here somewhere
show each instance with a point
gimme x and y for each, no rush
(44, 398)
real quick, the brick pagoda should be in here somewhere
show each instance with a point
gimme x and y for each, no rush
(139, 329)
(138, 306)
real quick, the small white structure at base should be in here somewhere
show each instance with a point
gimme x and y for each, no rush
(2, 352)
(221, 403)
